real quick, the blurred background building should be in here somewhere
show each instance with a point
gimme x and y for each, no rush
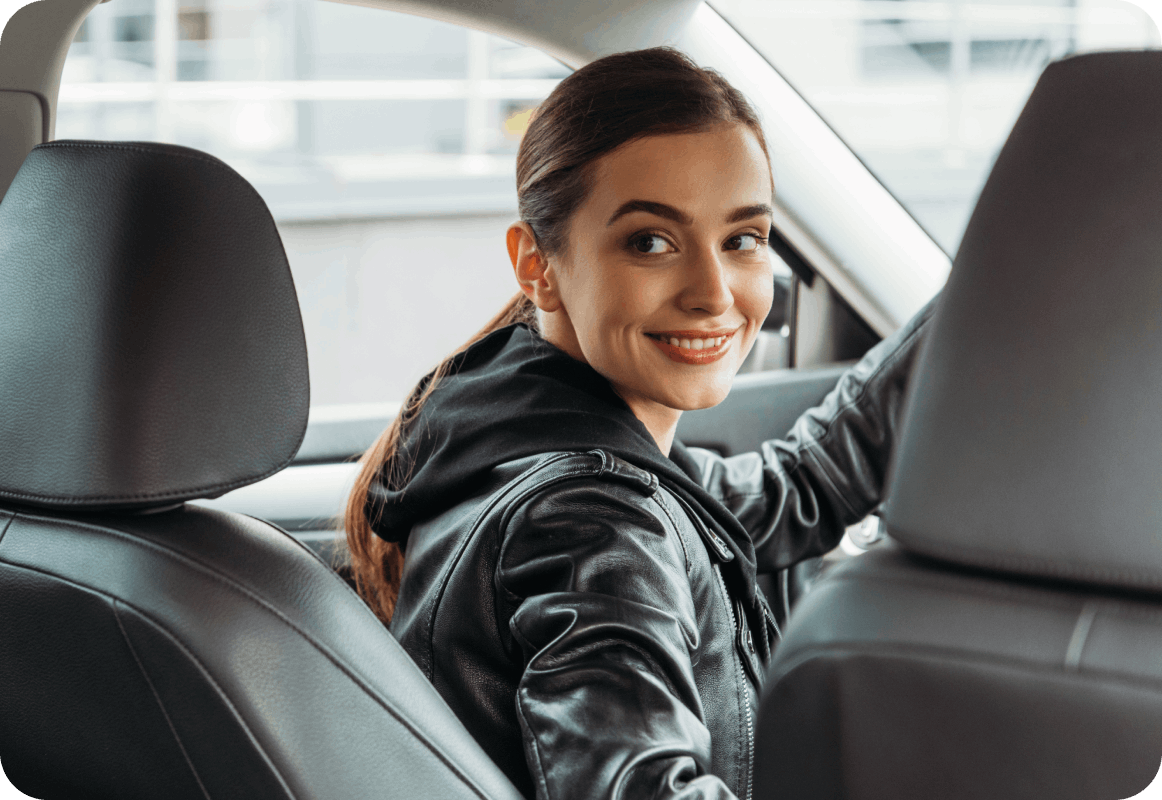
(385, 144)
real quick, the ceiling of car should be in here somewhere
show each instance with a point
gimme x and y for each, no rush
(575, 31)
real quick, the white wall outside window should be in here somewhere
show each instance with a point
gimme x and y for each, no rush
(383, 143)
(925, 91)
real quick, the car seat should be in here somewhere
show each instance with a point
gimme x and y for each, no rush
(1007, 643)
(152, 352)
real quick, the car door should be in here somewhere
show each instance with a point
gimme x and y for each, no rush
(383, 143)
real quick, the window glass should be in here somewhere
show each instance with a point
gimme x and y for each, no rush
(383, 143)
(925, 91)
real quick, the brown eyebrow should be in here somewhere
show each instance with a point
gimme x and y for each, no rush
(650, 207)
(671, 213)
(750, 212)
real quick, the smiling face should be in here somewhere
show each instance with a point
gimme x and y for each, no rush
(665, 278)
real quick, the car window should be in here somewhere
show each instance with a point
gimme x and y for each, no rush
(383, 143)
(925, 91)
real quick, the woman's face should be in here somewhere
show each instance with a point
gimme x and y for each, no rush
(666, 276)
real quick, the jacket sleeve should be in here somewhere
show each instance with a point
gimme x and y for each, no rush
(603, 617)
(796, 496)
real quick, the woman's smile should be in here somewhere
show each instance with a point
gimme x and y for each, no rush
(694, 346)
(670, 244)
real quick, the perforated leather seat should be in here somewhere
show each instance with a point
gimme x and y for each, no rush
(1008, 644)
(151, 352)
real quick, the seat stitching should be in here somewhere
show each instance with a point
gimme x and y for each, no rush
(996, 587)
(323, 649)
(194, 155)
(1026, 564)
(938, 653)
(157, 697)
(1080, 634)
(173, 639)
(174, 494)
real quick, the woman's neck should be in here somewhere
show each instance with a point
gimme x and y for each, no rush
(661, 421)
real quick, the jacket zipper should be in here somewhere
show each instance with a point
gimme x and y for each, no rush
(745, 681)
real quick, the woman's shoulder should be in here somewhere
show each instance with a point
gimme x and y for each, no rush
(579, 521)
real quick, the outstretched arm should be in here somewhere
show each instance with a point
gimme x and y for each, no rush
(797, 495)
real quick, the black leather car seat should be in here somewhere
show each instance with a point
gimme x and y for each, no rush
(152, 352)
(1008, 642)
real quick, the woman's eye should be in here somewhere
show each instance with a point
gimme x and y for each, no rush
(747, 242)
(650, 243)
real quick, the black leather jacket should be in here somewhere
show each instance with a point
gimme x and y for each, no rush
(572, 610)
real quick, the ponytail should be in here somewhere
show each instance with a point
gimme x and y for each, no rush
(377, 564)
(614, 100)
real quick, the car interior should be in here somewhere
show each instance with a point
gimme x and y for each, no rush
(175, 620)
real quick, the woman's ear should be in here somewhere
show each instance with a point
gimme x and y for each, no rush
(533, 273)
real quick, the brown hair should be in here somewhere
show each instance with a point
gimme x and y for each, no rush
(612, 101)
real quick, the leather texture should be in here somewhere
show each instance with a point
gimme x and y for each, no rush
(571, 585)
(151, 348)
(581, 587)
(1006, 644)
(198, 653)
(797, 495)
(900, 677)
(1033, 433)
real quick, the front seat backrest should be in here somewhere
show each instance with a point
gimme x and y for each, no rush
(1009, 643)
(152, 352)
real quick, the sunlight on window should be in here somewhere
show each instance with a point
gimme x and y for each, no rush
(925, 91)
(383, 143)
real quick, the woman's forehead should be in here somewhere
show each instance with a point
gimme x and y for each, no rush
(714, 172)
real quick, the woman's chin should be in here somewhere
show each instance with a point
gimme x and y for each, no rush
(695, 399)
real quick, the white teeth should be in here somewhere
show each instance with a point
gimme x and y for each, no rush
(693, 344)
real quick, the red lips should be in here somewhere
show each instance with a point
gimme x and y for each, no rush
(682, 355)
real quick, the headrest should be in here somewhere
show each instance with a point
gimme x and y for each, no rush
(1032, 438)
(151, 348)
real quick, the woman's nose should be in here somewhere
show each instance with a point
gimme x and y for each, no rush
(708, 286)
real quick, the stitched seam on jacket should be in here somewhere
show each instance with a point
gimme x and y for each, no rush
(355, 678)
(7, 525)
(824, 473)
(493, 502)
(540, 769)
(677, 531)
(160, 702)
(740, 673)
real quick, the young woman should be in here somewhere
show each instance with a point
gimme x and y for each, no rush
(578, 585)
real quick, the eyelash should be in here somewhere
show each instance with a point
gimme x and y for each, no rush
(637, 237)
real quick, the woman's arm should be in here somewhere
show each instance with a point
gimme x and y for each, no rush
(797, 495)
(603, 615)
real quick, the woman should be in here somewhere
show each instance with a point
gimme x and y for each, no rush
(579, 586)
